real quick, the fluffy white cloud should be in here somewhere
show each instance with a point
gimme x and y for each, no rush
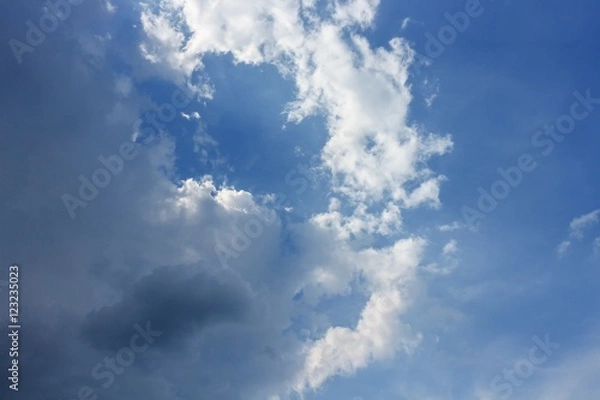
(377, 161)
(372, 153)
(379, 332)
(146, 219)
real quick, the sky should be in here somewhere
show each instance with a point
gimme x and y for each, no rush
(300, 199)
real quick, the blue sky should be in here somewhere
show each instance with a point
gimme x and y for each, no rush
(295, 229)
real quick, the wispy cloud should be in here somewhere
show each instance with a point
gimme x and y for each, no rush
(577, 228)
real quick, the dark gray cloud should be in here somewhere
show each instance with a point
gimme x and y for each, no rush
(177, 301)
(87, 281)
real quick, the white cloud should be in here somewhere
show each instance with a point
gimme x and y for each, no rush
(456, 225)
(376, 159)
(379, 332)
(123, 85)
(194, 115)
(142, 220)
(577, 228)
(450, 248)
(580, 224)
(360, 222)
(372, 153)
(110, 7)
(405, 22)
(563, 247)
